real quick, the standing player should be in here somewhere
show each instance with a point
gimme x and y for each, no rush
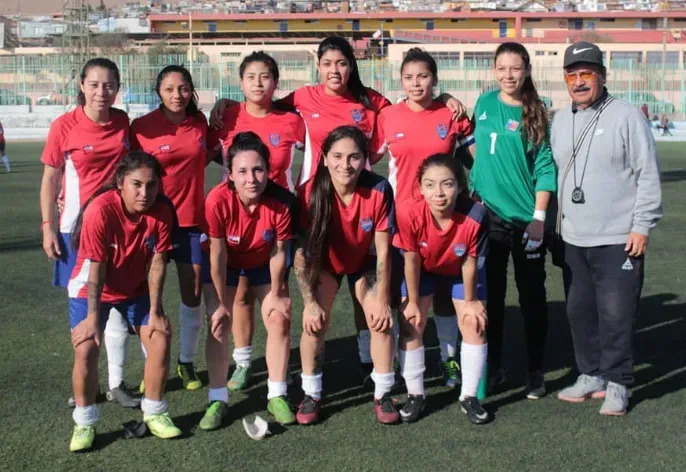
(348, 218)
(5, 159)
(411, 131)
(443, 236)
(122, 237)
(514, 175)
(84, 146)
(249, 227)
(176, 134)
(282, 132)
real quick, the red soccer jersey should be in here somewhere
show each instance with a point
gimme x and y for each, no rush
(182, 153)
(249, 236)
(413, 136)
(323, 113)
(127, 247)
(2, 134)
(281, 131)
(88, 153)
(349, 245)
(443, 251)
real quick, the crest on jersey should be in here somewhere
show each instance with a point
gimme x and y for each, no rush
(442, 131)
(459, 249)
(275, 139)
(399, 136)
(234, 239)
(512, 125)
(88, 148)
(268, 235)
(367, 224)
(126, 143)
(314, 116)
(357, 115)
(203, 144)
(151, 242)
(165, 148)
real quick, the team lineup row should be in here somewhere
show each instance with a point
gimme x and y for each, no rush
(132, 197)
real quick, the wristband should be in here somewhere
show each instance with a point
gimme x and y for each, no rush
(539, 215)
(43, 223)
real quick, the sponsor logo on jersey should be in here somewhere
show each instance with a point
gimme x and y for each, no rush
(459, 249)
(314, 116)
(151, 242)
(422, 244)
(442, 131)
(512, 125)
(268, 235)
(399, 135)
(88, 148)
(367, 224)
(357, 115)
(483, 117)
(234, 239)
(165, 148)
(275, 139)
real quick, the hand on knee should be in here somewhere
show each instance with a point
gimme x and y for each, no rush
(471, 331)
(85, 352)
(277, 324)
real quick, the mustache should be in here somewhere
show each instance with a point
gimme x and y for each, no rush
(583, 88)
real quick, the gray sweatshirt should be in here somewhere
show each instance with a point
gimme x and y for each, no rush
(621, 185)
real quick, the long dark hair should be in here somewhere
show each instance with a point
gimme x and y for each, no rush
(263, 57)
(192, 107)
(355, 86)
(321, 198)
(133, 161)
(103, 63)
(448, 161)
(534, 114)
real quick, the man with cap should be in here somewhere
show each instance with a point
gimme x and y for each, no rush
(609, 199)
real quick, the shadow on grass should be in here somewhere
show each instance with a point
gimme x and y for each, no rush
(673, 176)
(20, 245)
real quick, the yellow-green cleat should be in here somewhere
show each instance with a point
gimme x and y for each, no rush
(186, 372)
(240, 378)
(82, 438)
(141, 387)
(162, 426)
(214, 416)
(281, 410)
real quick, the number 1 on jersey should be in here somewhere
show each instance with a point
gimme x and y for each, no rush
(494, 136)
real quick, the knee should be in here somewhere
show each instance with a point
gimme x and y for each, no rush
(469, 327)
(277, 324)
(158, 344)
(85, 352)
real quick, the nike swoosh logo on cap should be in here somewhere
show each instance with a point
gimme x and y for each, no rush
(579, 51)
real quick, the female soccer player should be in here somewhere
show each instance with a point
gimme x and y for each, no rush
(410, 131)
(121, 237)
(176, 134)
(249, 228)
(282, 132)
(514, 175)
(442, 236)
(84, 146)
(5, 159)
(347, 213)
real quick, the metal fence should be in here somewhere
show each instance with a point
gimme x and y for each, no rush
(54, 80)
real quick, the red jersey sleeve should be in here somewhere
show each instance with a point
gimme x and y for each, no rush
(378, 101)
(377, 145)
(289, 101)
(214, 136)
(213, 216)
(385, 218)
(53, 155)
(284, 226)
(300, 132)
(405, 238)
(92, 244)
(164, 229)
(464, 129)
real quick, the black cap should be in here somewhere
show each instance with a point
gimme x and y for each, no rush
(585, 52)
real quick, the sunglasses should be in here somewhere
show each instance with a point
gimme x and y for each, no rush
(584, 75)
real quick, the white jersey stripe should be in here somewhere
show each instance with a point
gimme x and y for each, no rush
(289, 171)
(306, 170)
(72, 204)
(80, 280)
(392, 172)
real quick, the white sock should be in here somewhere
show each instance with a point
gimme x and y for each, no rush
(412, 369)
(190, 322)
(383, 383)
(447, 331)
(144, 351)
(86, 415)
(242, 356)
(219, 394)
(312, 385)
(473, 361)
(6, 161)
(116, 342)
(154, 407)
(276, 389)
(364, 339)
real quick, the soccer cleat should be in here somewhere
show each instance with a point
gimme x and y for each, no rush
(586, 386)
(124, 396)
(386, 412)
(474, 411)
(82, 438)
(452, 377)
(162, 426)
(616, 400)
(535, 385)
(308, 411)
(413, 408)
(214, 416)
(281, 410)
(141, 387)
(240, 378)
(186, 372)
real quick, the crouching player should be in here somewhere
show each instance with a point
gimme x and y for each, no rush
(349, 220)
(442, 235)
(122, 237)
(249, 227)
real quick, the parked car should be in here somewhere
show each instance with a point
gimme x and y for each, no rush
(8, 97)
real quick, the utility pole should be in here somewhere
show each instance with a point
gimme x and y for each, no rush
(75, 40)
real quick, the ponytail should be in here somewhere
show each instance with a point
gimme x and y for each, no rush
(355, 86)
(320, 203)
